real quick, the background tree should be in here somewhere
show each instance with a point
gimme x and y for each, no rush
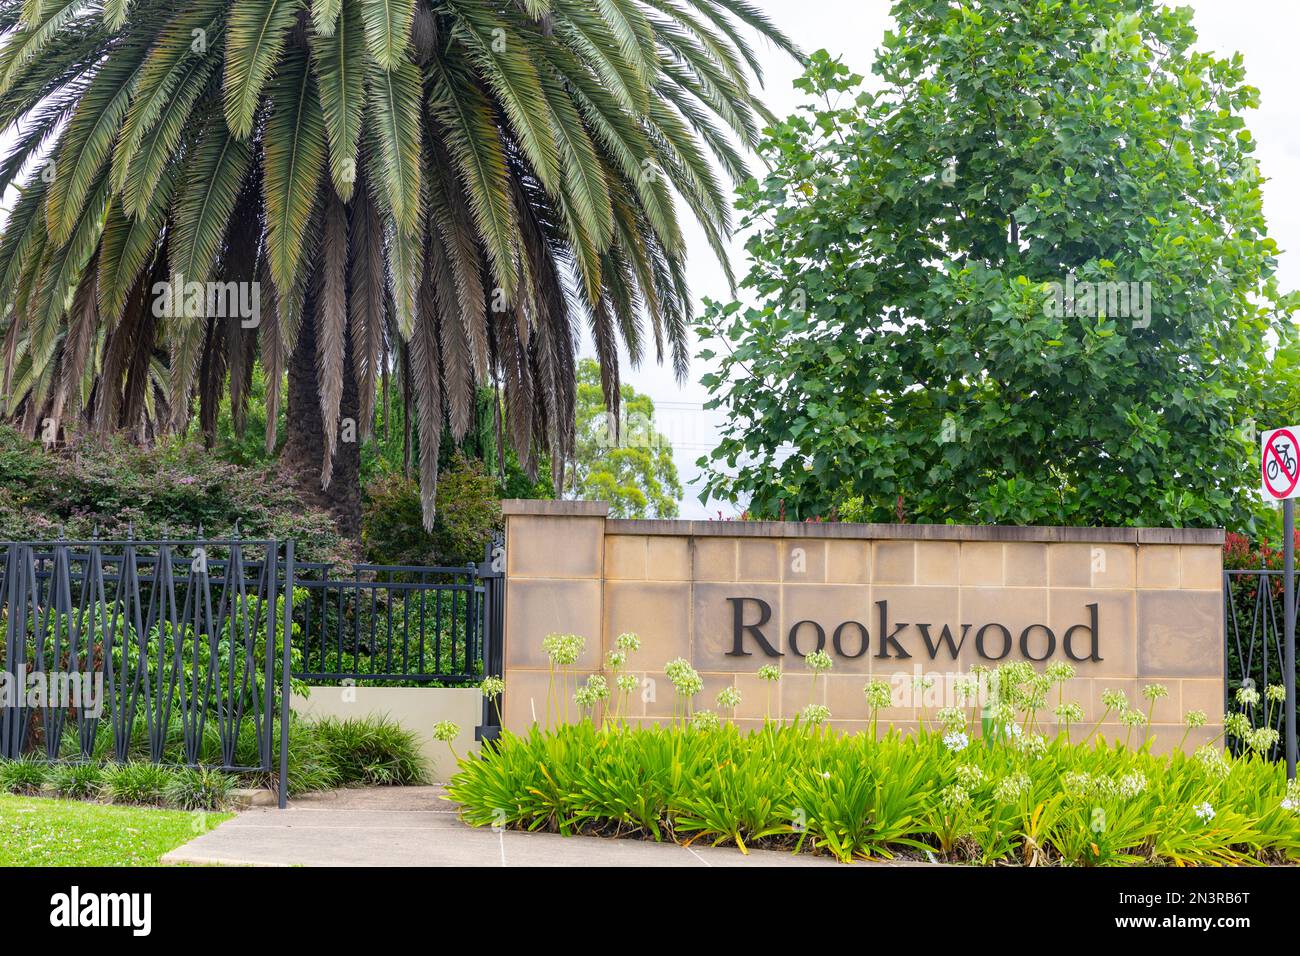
(440, 191)
(912, 249)
(469, 510)
(623, 461)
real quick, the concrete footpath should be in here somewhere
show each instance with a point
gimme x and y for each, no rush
(415, 826)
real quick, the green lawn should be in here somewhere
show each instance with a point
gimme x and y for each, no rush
(39, 832)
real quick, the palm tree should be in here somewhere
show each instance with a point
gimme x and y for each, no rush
(442, 190)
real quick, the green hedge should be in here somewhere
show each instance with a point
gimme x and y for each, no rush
(108, 485)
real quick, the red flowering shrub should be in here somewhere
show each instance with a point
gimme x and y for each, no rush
(1242, 554)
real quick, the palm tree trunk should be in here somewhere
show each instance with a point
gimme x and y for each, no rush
(304, 447)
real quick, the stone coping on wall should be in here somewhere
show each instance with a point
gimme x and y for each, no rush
(837, 529)
(544, 506)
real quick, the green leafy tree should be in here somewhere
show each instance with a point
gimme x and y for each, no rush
(436, 189)
(623, 460)
(1027, 281)
(469, 510)
(1282, 383)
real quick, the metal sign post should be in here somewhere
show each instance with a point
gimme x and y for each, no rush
(1288, 611)
(1280, 469)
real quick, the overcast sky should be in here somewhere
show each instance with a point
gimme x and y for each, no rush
(1263, 31)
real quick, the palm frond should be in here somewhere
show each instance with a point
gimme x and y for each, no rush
(332, 324)
(128, 245)
(368, 278)
(468, 129)
(258, 31)
(115, 13)
(88, 141)
(172, 63)
(215, 172)
(339, 59)
(511, 75)
(42, 23)
(427, 382)
(394, 118)
(388, 29)
(325, 15)
(293, 149)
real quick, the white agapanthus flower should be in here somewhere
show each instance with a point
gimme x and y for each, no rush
(1069, 712)
(684, 678)
(1035, 745)
(728, 698)
(952, 718)
(1078, 784)
(1212, 761)
(1291, 802)
(1131, 784)
(1133, 718)
(970, 776)
(956, 741)
(563, 649)
(705, 720)
(815, 714)
(627, 682)
(598, 687)
(954, 797)
(1154, 692)
(769, 672)
(1011, 788)
(818, 661)
(1114, 700)
(878, 694)
(1262, 739)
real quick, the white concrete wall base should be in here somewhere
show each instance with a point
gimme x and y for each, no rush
(415, 708)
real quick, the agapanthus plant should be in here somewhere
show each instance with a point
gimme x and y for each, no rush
(686, 683)
(770, 675)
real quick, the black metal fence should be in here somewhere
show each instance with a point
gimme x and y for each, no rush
(156, 650)
(390, 624)
(1254, 626)
(184, 651)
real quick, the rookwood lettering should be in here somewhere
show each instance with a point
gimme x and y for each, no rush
(751, 619)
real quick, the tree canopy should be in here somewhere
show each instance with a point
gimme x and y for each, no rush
(1024, 280)
(622, 460)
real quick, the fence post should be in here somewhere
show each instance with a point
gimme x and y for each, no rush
(285, 675)
(23, 595)
(1288, 616)
(14, 642)
(492, 573)
(271, 569)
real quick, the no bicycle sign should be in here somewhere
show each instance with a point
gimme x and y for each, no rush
(1281, 463)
